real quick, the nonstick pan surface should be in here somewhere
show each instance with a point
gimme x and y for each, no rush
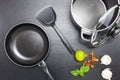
(26, 44)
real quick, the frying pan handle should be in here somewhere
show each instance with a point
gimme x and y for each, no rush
(85, 35)
(44, 67)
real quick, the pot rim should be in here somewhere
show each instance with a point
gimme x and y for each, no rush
(80, 26)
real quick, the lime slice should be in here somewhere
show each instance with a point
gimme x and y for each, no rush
(79, 55)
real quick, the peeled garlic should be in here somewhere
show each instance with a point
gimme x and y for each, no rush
(106, 74)
(106, 60)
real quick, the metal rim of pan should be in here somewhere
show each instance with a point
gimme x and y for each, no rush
(12, 59)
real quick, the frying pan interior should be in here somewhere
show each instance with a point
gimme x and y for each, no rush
(26, 44)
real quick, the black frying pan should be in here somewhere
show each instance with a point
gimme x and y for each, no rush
(27, 45)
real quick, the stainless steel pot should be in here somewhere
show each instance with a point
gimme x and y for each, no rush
(86, 13)
(96, 24)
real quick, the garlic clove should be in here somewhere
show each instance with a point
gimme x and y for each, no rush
(106, 60)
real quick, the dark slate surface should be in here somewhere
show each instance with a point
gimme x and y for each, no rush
(59, 61)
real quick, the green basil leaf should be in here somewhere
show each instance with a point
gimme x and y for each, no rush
(75, 72)
(86, 68)
(82, 74)
(82, 69)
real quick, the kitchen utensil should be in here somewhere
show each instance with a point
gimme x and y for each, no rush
(85, 14)
(107, 26)
(47, 16)
(27, 45)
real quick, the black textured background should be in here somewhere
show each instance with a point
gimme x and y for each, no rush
(59, 61)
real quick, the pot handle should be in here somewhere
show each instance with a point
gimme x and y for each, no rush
(44, 67)
(85, 35)
(99, 42)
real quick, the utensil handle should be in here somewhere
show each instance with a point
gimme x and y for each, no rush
(44, 67)
(64, 40)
